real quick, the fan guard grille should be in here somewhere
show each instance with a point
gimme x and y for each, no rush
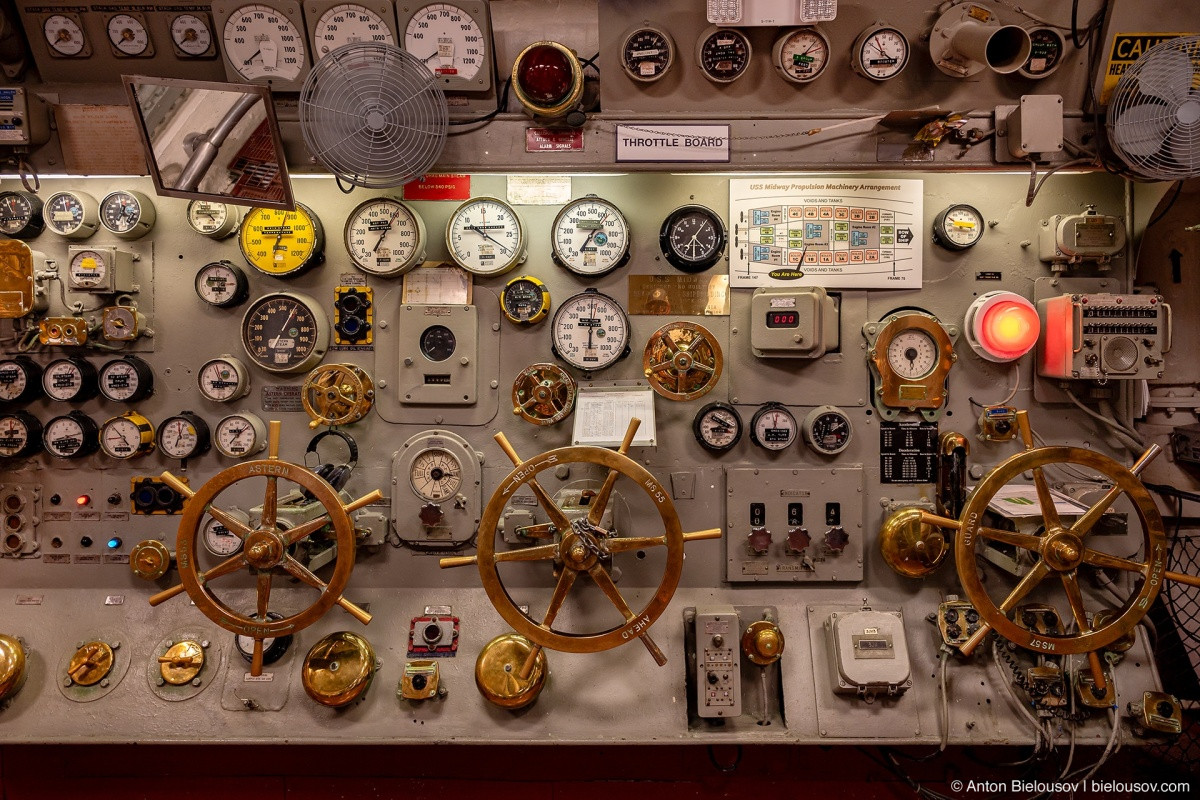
(1154, 114)
(373, 115)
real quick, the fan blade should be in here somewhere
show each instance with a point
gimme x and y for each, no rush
(1139, 131)
(1167, 75)
(1183, 146)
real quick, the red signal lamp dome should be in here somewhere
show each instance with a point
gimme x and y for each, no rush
(547, 78)
(1002, 326)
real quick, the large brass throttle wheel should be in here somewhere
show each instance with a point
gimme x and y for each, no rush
(682, 361)
(264, 548)
(582, 547)
(1060, 551)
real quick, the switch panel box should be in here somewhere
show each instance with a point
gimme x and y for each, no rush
(794, 525)
(718, 662)
(1103, 336)
(793, 323)
(438, 354)
(868, 653)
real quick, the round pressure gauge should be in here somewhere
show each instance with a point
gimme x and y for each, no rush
(72, 435)
(647, 52)
(773, 427)
(448, 40)
(65, 36)
(20, 435)
(692, 238)
(525, 300)
(127, 214)
(70, 380)
(183, 436)
(89, 270)
(346, 23)
(880, 52)
(912, 354)
(223, 379)
(127, 436)
(240, 435)
(1045, 53)
(437, 343)
(218, 539)
(281, 243)
(128, 36)
(801, 54)
(126, 380)
(263, 43)
(214, 220)
(590, 331)
(717, 427)
(591, 236)
(285, 332)
(435, 474)
(723, 54)
(73, 215)
(192, 37)
(827, 430)
(21, 214)
(20, 380)
(958, 227)
(385, 237)
(485, 236)
(222, 284)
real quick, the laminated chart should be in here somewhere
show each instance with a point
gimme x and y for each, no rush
(839, 233)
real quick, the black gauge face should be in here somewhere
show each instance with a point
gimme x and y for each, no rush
(69, 380)
(1045, 53)
(724, 55)
(438, 343)
(71, 214)
(828, 432)
(647, 54)
(692, 238)
(120, 212)
(284, 333)
(717, 427)
(20, 435)
(20, 380)
(524, 300)
(20, 215)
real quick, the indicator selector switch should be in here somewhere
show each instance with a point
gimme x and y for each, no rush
(836, 539)
(797, 541)
(182, 662)
(150, 560)
(759, 541)
(718, 675)
(91, 663)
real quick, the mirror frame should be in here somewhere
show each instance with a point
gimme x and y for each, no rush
(130, 83)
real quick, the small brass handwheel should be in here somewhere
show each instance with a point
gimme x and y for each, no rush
(543, 394)
(583, 547)
(682, 361)
(265, 548)
(337, 394)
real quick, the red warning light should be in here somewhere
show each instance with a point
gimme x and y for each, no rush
(83, 500)
(1002, 326)
(548, 79)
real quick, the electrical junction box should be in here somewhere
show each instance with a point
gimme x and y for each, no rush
(24, 118)
(1067, 239)
(1103, 336)
(718, 662)
(793, 323)
(868, 653)
(1035, 127)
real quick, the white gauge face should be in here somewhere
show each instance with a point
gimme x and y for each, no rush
(70, 214)
(435, 475)
(14, 436)
(191, 35)
(62, 380)
(119, 380)
(590, 331)
(960, 226)
(591, 236)
(486, 237)
(178, 438)
(239, 435)
(14, 380)
(65, 437)
(124, 213)
(802, 55)
(120, 437)
(260, 42)
(912, 354)
(383, 237)
(220, 284)
(349, 23)
(208, 218)
(89, 269)
(64, 35)
(219, 541)
(719, 429)
(128, 34)
(883, 54)
(774, 428)
(223, 379)
(448, 40)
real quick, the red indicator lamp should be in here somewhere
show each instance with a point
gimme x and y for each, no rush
(547, 78)
(1002, 326)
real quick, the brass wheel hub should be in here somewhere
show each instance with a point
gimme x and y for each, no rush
(1063, 551)
(682, 362)
(265, 549)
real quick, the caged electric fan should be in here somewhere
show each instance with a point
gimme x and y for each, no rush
(1154, 114)
(373, 115)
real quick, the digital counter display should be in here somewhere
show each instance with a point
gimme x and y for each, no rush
(783, 319)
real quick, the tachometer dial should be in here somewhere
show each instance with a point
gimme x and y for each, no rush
(184, 435)
(128, 36)
(437, 343)
(717, 427)
(70, 380)
(692, 238)
(72, 435)
(126, 380)
(485, 236)
(773, 427)
(20, 380)
(21, 214)
(349, 22)
(214, 220)
(647, 53)
(435, 475)
(73, 215)
(880, 53)
(590, 331)
(223, 379)
(127, 214)
(591, 236)
(723, 54)
(525, 300)
(192, 36)
(827, 430)
(240, 435)
(281, 243)
(20, 435)
(801, 54)
(127, 436)
(910, 354)
(222, 284)
(385, 237)
(263, 44)
(285, 332)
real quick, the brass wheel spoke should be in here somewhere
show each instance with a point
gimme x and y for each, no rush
(696, 341)
(530, 403)
(1070, 583)
(605, 582)
(624, 544)
(703, 367)
(1098, 559)
(256, 660)
(270, 504)
(231, 523)
(600, 501)
(663, 367)
(264, 593)
(293, 535)
(1032, 578)
(1025, 541)
(543, 552)
(565, 581)
(1045, 499)
(555, 403)
(668, 343)
(298, 570)
(548, 505)
(1083, 526)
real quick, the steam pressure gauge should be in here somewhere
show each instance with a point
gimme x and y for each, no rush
(880, 52)
(214, 220)
(72, 215)
(773, 427)
(20, 435)
(958, 227)
(281, 243)
(590, 331)
(285, 332)
(344, 23)
(70, 380)
(223, 379)
(72, 435)
(827, 430)
(800, 55)
(20, 380)
(485, 236)
(591, 236)
(183, 436)
(263, 44)
(21, 214)
(525, 300)
(717, 427)
(127, 436)
(222, 284)
(126, 380)
(240, 435)
(647, 53)
(723, 54)
(127, 214)
(385, 237)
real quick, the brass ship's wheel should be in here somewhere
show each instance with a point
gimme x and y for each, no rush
(682, 361)
(337, 394)
(264, 548)
(582, 547)
(543, 394)
(1060, 550)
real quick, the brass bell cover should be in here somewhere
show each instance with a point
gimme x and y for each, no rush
(497, 672)
(338, 669)
(12, 666)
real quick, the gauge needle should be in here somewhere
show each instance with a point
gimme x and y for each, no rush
(879, 47)
(385, 230)
(275, 342)
(487, 236)
(257, 53)
(591, 325)
(592, 233)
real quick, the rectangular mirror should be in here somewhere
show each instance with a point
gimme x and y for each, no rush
(211, 141)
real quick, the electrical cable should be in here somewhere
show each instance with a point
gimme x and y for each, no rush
(945, 718)
(1032, 192)
(1037, 727)
(1158, 217)
(501, 104)
(1016, 384)
(1128, 438)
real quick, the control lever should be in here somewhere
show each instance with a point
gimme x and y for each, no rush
(953, 449)
(763, 645)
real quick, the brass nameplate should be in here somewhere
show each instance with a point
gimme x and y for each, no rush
(679, 295)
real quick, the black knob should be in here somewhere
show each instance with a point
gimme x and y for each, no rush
(419, 682)
(951, 615)
(1164, 709)
(712, 678)
(85, 541)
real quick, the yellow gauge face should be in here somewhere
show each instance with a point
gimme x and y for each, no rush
(282, 243)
